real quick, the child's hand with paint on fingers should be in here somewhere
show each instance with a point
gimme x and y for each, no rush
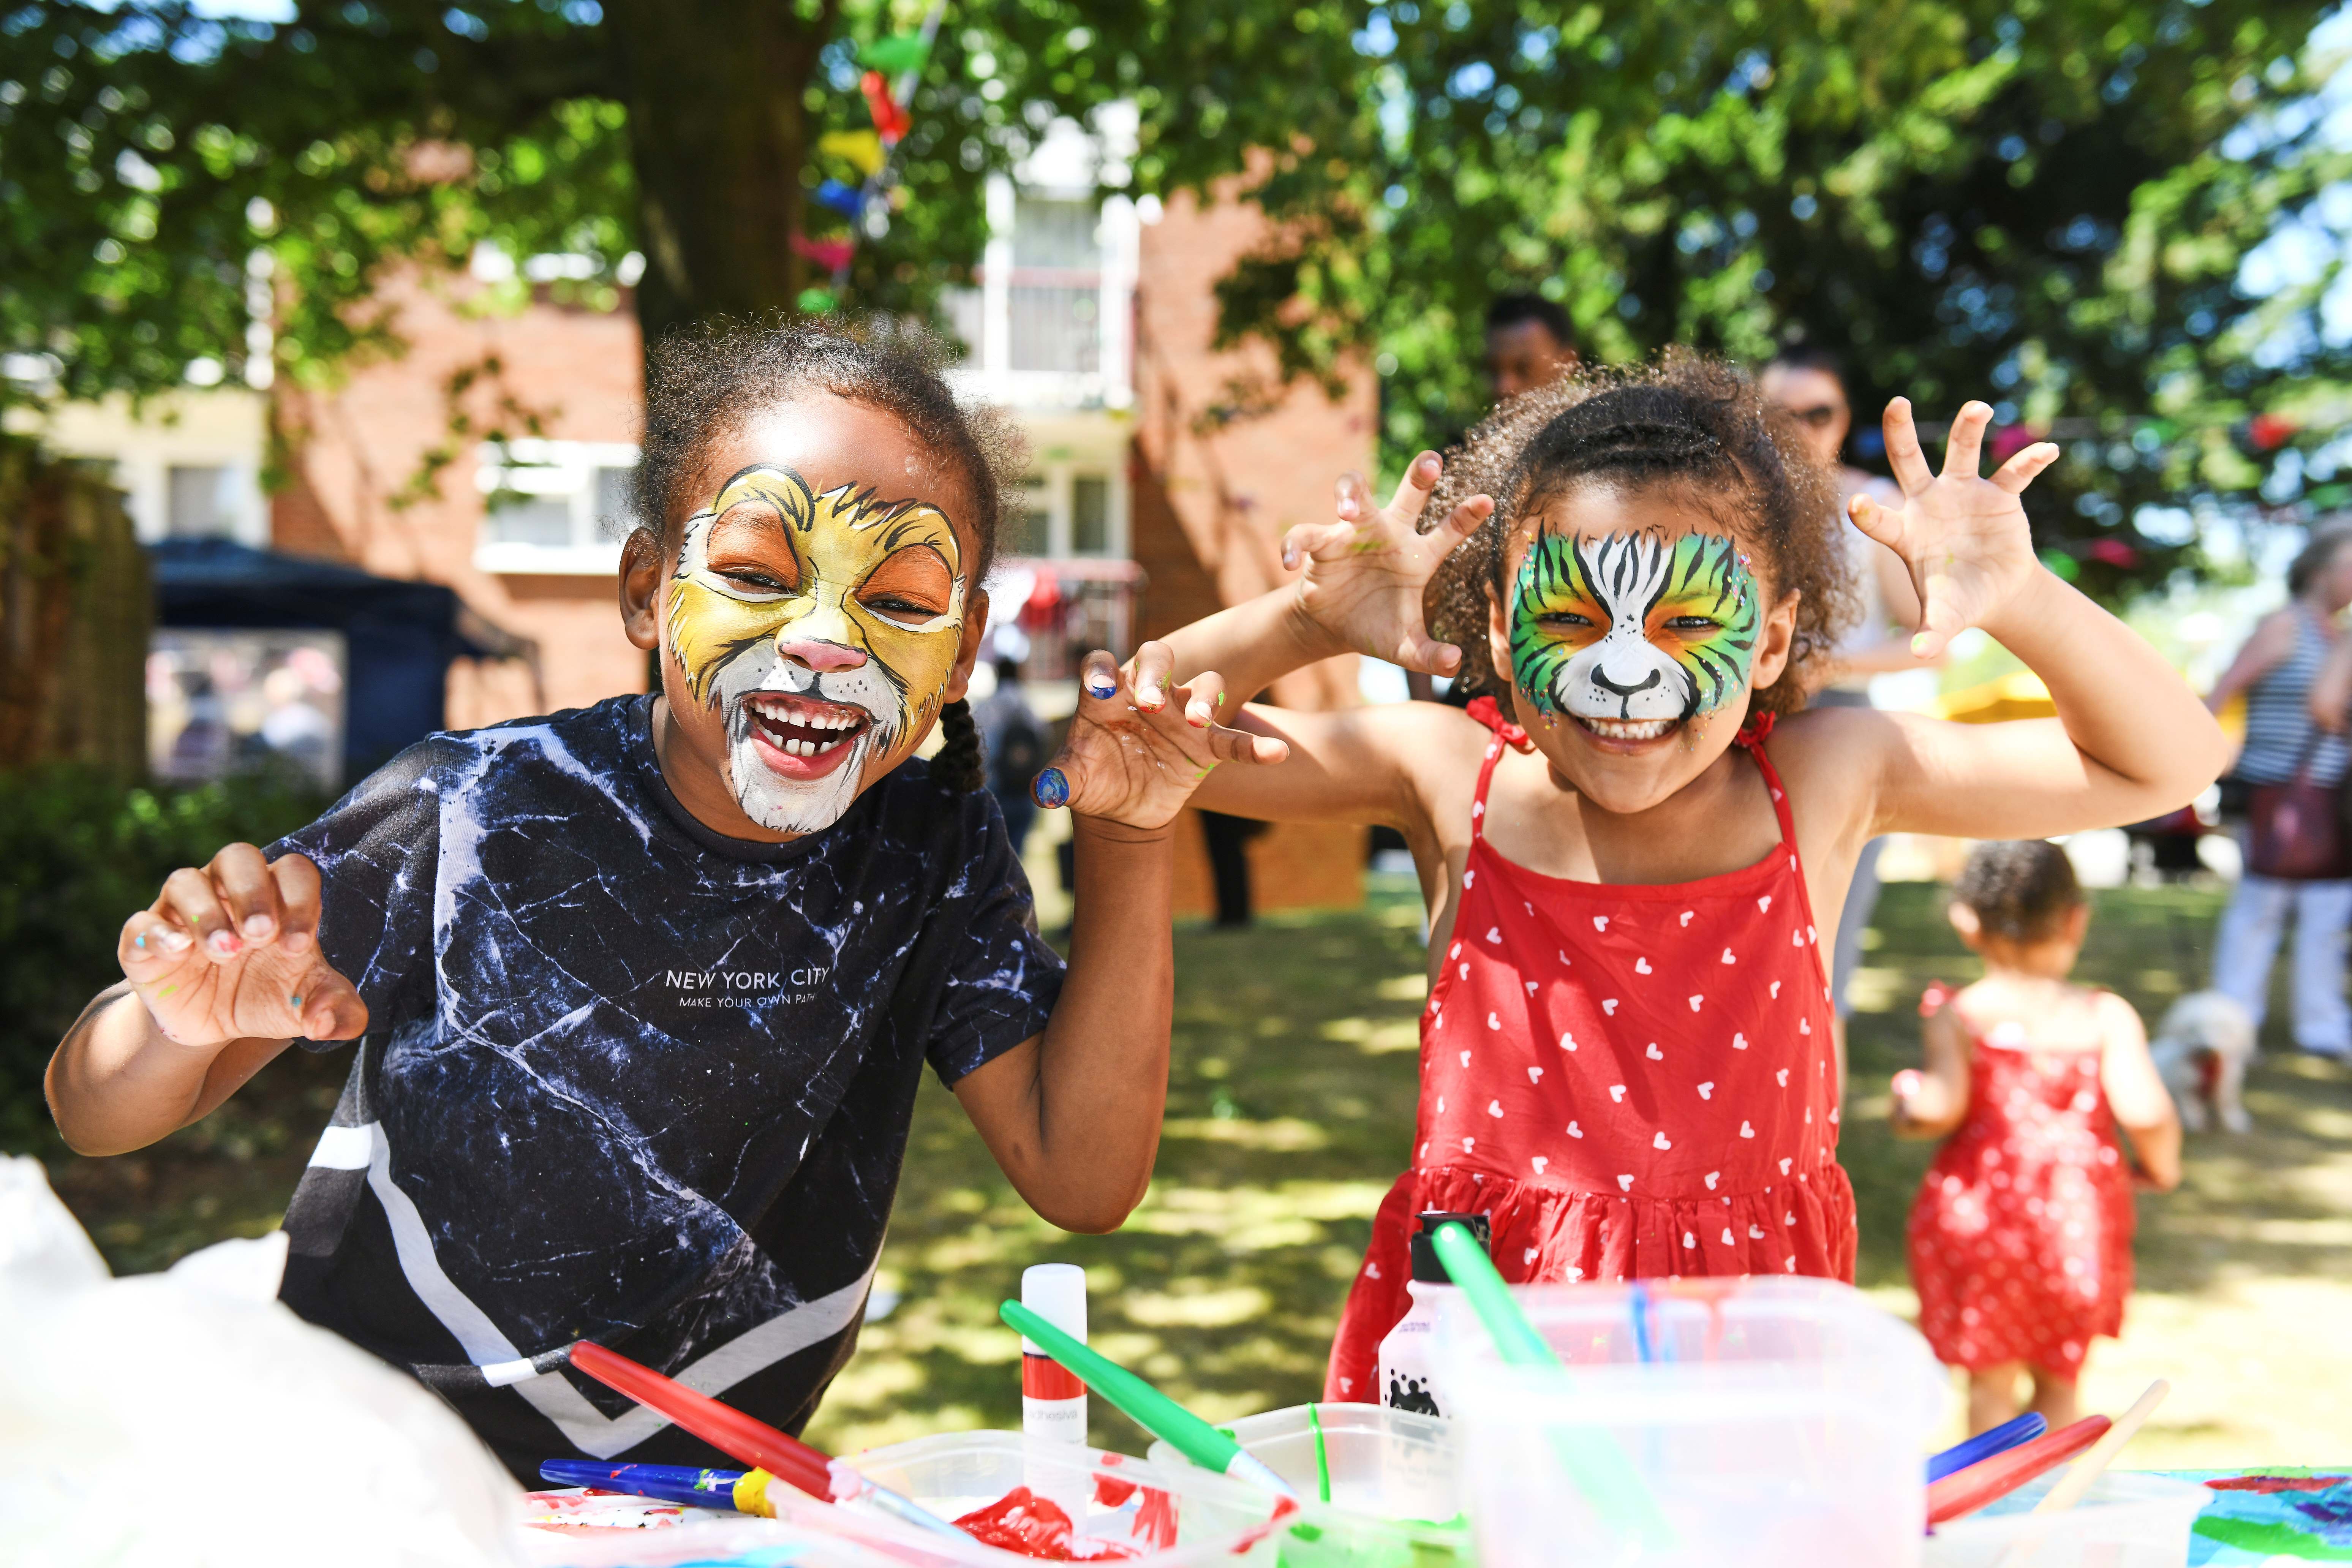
(1138, 746)
(1364, 574)
(230, 951)
(1963, 536)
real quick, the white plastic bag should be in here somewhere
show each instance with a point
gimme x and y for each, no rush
(187, 1419)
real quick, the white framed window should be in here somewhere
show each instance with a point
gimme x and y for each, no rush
(554, 507)
(1076, 508)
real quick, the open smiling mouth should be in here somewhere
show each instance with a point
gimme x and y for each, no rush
(804, 727)
(1628, 728)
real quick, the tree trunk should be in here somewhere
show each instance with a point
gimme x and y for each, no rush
(75, 608)
(719, 135)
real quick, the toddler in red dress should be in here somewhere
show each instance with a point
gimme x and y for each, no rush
(2021, 1238)
(1636, 850)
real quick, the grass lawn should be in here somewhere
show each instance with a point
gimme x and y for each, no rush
(1290, 1110)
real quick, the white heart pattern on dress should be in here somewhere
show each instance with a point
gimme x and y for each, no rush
(1466, 1059)
(1453, 952)
(1625, 1183)
(1660, 1141)
(1469, 1144)
(1784, 1166)
(1707, 1091)
(1654, 1054)
(1783, 1076)
(1464, 972)
(1531, 987)
(1764, 904)
(1535, 1075)
(1528, 1257)
(1568, 1042)
(1727, 1235)
(1689, 1240)
(1686, 916)
(1727, 958)
(1574, 1131)
(1747, 1131)
(1539, 1162)
(1440, 1105)
(1610, 1007)
(1495, 935)
(1601, 922)
(1738, 1041)
(1617, 1093)
(1776, 991)
(1804, 1025)
(1641, 966)
(1467, 876)
(1493, 1022)
(1713, 1177)
(1755, 1233)
(1694, 1001)
(1495, 1109)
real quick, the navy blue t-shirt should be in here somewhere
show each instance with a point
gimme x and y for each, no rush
(627, 1079)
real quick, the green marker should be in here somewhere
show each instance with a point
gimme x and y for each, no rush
(1595, 1463)
(1146, 1406)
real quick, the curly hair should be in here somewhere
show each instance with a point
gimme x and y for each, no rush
(2020, 890)
(709, 379)
(1685, 420)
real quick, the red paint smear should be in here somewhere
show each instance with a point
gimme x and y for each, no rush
(2276, 1483)
(1027, 1525)
(1156, 1519)
(1112, 1493)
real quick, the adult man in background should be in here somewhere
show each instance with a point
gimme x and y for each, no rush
(1529, 344)
(1809, 383)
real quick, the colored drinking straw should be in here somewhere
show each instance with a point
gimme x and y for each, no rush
(751, 1440)
(1989, 1480)
(1986, 1443)
(1322, 1458)
(1599, 1468)
(1146, 1406)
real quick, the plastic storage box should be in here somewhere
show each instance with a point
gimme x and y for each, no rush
(2125, 1520)
(1770, 1423)
(1395, 1483)
(1166, 1517)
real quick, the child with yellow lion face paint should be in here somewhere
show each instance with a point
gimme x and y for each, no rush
(644, 990)
(1632, 870)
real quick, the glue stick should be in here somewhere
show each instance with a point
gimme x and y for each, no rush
(1052, 1400)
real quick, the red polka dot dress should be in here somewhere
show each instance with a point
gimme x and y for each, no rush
(1630, 1081)
(2021, 1236)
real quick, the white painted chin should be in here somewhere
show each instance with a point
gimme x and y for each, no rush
(801, 806)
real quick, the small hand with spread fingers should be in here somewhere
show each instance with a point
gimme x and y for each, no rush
(1365, 573)
(231, 952)
(1964, 538)
(1138, 747)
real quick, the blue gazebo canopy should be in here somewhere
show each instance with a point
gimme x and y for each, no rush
(399, 634)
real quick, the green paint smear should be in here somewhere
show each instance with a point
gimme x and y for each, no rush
(2271, 1540)
(1376, 1543)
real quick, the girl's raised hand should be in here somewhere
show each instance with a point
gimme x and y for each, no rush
(1138, 747)
(1365, 572)
(1964, 538)
(231, 952)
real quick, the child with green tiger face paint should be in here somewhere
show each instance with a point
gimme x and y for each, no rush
(1637, 628)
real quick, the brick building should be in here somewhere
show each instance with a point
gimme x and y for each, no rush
(1153, 498)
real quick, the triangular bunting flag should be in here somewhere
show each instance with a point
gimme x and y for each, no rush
(846, 200)
(896, 55)
(833, 255)
(860, 148)
(889, 120)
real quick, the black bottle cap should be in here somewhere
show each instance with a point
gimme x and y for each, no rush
(1425, 1267)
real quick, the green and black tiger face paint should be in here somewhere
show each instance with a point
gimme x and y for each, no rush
(1634, 626)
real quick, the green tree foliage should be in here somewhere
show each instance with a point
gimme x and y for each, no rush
(2046, 202)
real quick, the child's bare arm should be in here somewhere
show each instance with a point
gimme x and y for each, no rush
(1931, 1101)
(1072, 1115)
(2130, 741)
(2330, 700)
(1360, 592)
(221, 974)
(2137, 1095)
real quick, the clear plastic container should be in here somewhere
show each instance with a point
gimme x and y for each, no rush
(2125, 1520)
(602, 1537)
(1395, 1483)
(1771, 1422)
(1167, 1516)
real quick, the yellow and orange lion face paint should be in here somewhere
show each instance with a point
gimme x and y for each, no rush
(822, 629)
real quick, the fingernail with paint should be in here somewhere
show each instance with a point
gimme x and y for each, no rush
(1051, 789)
(226, 941)
(1919, 645)
(1096, 686)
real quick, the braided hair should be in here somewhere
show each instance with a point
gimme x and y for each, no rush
(1686, 420)
(714, 375)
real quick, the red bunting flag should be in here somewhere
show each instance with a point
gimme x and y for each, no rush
(833, 255)
(889, 119)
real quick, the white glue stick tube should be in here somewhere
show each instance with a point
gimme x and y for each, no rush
(1052, 1400)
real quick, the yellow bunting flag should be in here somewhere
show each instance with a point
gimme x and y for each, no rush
(862, 149)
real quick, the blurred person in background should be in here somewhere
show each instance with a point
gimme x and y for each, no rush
(1013, 737)
(2279, 671)
(1529, 344)
(1810, 383)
